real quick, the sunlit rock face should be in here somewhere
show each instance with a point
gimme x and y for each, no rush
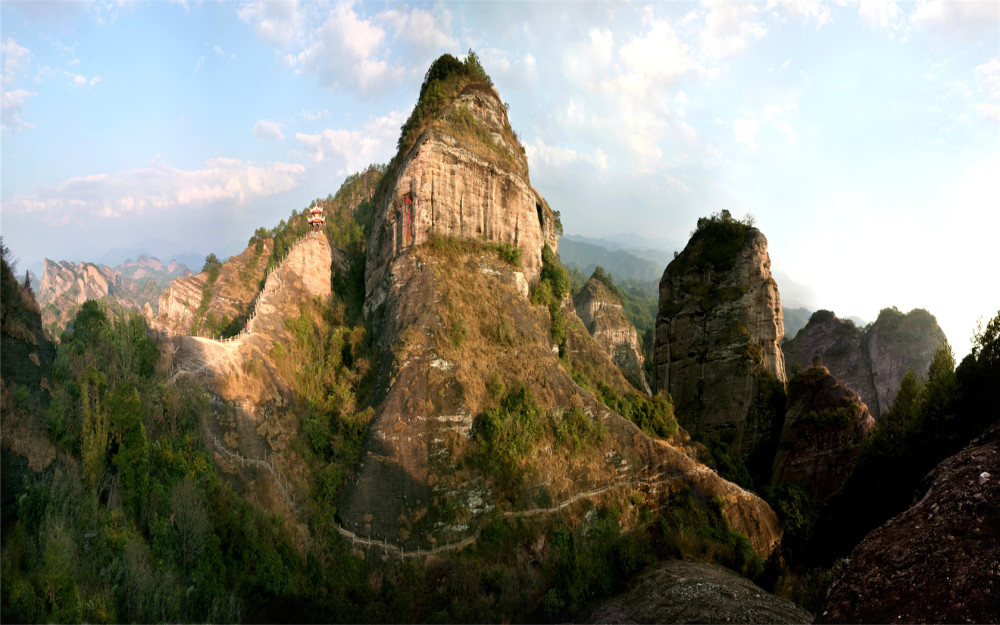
(449, 185)
(717, 334)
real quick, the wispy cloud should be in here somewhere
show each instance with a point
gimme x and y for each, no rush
(353, 150)
(268, 130)
(156, 188)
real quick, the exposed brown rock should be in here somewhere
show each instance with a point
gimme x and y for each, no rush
(938, 562)
(414, 466)
(601, 313)
(824, 423)
(677, 591)
(717, 333)
(459, 188)
(231, 296)
(873, 360)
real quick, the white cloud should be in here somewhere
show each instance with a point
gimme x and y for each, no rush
(884, 14)
(806, 10)
(79, 80)
(653, 60)
(16, 59)
(730, 27)
(197, 65)
(347, 49)
(10, 110)
(745, 131)
(278, 22)
(988, 82)
(159, 187)
(268, 130)
(312, 116)
(541, 154)
(217, 49)
(425, 34)
(786, 64)
(353, 150)
(960, 20)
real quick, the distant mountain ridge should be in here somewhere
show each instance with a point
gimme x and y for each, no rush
(65, 286)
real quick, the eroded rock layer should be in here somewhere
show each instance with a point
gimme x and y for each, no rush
(466, 177)
(717, 333)
(601, 312)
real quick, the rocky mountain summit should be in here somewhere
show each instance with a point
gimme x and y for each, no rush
(133, 284)
(466, 177)
(824, 423)
(455, 247)
(717, 332)
(601, 312)
(871, 360)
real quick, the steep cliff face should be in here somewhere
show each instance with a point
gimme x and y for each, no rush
(184, 308)
(133, 284)
(466, 177)
(717, 333)
(872, 361)
(601, 313)
(938, 562)
(824, 423)
(897, 343)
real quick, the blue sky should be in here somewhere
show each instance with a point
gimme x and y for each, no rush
(862, 137)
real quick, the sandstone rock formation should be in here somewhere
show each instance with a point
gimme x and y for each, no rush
(231, 295)
(938, 562)
(677, 591)
(456, 184)
(873, 360)
(601, 312)
(252, 438)
(415, 487)
(824, 423)
(454, 324)
(133, 284)
(717, 333)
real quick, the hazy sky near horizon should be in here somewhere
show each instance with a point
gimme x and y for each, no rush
(863, 137)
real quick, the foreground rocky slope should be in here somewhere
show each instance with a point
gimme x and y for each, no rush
(824, 423)
(938, 562)
(133, 284)
(873, 360)
(601, 313)
(717, 333)
(695, 592)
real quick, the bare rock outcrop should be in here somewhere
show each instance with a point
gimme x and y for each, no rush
(939, 561)
(180, 306)
(602, 314)
(677, 591)
(466, 177)
(133, 284)
(824, 423)
(416, 487)
(717, 333)
(872, 360)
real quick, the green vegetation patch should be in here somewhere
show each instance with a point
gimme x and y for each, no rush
(654, 415)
